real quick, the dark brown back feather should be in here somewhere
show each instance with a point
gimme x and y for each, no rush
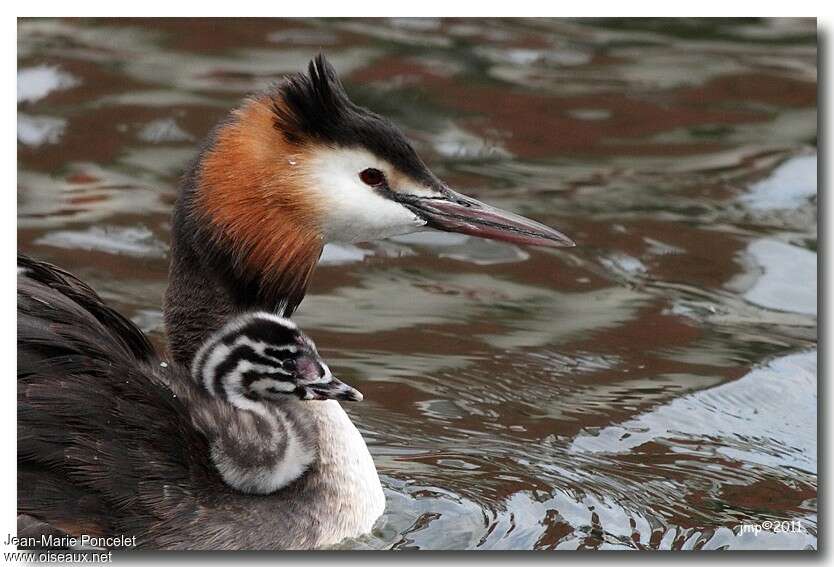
(102, 438)
(47, 293)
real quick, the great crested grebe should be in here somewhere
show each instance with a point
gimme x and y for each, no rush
(239, 443)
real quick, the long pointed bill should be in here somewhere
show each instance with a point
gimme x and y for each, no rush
(459, 213)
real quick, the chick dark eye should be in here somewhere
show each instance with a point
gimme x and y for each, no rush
(372, 177)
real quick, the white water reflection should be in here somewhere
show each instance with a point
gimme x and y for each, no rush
(788, 187)
(35, 83)
(789, 281)
(39, 130)
(136, 241)
(164, 130)
(766, 417)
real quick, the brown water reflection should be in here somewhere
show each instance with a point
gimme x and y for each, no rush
(654, 387)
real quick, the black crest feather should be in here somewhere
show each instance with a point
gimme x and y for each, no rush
(315, 106)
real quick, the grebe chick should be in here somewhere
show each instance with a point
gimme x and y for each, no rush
(261, 365)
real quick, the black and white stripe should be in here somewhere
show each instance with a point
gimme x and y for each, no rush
(260, 356)
(253, 348)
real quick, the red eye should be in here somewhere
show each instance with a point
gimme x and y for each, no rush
(372, 177)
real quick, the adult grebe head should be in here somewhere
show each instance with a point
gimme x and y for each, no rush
(301, 164)
(291, 169)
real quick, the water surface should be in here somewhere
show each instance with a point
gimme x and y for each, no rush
(654, 387)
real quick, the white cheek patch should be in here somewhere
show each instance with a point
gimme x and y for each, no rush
(353, 211)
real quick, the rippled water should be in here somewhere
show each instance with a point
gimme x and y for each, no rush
(655, 387)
